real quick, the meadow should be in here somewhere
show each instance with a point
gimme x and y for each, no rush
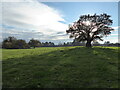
(60, 67)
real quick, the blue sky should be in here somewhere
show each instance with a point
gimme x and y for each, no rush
(72, 10)
(48, 21)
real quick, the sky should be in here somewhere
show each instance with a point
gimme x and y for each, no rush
(48, 21)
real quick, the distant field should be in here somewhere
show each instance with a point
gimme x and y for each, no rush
(60, 67)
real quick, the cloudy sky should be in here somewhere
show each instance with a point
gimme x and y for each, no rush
(48, 21)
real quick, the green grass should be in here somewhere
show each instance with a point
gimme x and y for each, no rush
(60, 67)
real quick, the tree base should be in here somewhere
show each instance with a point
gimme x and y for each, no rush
(88, 44)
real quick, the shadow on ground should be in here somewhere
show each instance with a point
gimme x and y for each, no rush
(71, 68)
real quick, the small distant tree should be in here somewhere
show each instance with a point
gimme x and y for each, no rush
(96, 43)
(34, 43)
(51, 44)
(90, 27)
(46, 44)
(107, 42)
(9, 43)
(13, 43)
(21, 44)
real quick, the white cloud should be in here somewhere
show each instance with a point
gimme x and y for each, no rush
(33, 17)
(116, 28)
(114, 34)
(17, 0)
(65, 0)
(112, 40)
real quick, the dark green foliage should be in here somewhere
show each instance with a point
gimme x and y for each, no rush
(90, 28)
(13, 43)
(47, 44)
(21, 44)
(34, 43)
(9, 42)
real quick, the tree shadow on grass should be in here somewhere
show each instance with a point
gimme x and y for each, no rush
(78, 67)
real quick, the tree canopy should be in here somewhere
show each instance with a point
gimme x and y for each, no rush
(13, 43)
(91, 28)
(34, 43)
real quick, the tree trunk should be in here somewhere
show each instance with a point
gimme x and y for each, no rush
(88, 44)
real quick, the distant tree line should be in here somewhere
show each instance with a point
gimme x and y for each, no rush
(14, 43)
(106, 43)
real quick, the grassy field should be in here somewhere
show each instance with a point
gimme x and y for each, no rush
(60, 67)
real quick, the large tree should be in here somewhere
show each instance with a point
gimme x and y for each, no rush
(90, 28)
